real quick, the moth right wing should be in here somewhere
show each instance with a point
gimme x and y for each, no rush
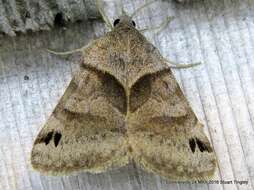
(164, 133)
(86, 129)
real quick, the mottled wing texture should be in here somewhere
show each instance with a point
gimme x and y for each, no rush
(164, 133)
(85, 131)
(124, 104)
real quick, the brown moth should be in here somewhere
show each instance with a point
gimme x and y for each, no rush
(124, 104)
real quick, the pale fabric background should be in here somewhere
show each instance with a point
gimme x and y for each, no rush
(220, 33)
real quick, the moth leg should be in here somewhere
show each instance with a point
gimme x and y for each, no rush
(121, 8)
(161, 27)
(104, 16)
(68, 52)
(181, 66)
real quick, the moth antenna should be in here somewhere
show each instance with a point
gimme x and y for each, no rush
(104, 16)
(142, 7)
(161, 27)
(181, 66)
(122, 11)
(184, 66)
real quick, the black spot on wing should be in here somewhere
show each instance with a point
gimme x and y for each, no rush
(202, 146)
(48, 137)
(192, 144)
(57, 138)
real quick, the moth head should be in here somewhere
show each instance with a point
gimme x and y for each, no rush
(124, 20)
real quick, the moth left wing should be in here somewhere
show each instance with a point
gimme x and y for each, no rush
(86, 129)
(165, 136)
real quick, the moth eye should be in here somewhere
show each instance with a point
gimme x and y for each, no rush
(133, 23)
(48, 137)
(57, 138)
(116, 22)
(192, 144)
(203, 147)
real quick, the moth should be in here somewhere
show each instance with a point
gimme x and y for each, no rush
(124, 105)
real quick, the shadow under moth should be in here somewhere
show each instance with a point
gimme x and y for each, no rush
(124, 105)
